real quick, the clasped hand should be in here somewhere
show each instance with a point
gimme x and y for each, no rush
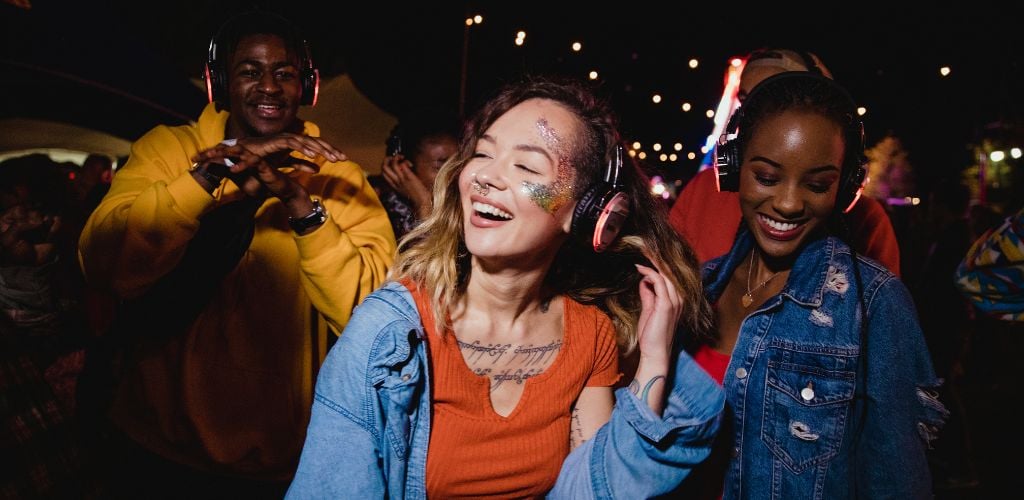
(256, 160)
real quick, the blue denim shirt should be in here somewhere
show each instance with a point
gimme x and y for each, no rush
(370, 423)
(817, 412)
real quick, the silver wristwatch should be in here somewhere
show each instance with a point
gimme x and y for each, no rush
(315, 218)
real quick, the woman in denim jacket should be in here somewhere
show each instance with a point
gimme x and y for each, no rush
(829, 387)
(534, 290)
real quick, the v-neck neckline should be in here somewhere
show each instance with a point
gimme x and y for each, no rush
(484, 381)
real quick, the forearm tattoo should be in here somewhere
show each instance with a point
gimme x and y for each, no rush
(634, 387)
(575, 429)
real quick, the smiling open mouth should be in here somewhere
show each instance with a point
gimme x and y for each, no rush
(779, 226)
(780, 230)
(491, 212)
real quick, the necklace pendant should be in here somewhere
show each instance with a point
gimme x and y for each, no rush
(747, 300)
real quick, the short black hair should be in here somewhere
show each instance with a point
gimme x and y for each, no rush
(257, 22)
(803, 91)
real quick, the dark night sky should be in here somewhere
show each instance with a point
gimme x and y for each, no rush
(401, 56)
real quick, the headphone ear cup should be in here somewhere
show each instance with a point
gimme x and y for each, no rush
(208, 78)
(727, 165)
(310, 86)
(851, 187)
(216, 84)
(582, 226)
(599, 216)
(310, 76)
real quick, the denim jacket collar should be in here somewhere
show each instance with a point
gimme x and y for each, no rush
(806, 283)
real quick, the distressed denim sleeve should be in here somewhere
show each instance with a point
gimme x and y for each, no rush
(902, 413)
(639, 455)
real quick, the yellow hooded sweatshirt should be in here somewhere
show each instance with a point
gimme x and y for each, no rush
(233, 393)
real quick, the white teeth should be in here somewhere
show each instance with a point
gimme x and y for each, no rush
(267, 106)
(779, 226)
(491, 209)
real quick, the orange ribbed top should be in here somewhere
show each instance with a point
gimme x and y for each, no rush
(474, 451)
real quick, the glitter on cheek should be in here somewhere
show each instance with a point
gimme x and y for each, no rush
(552, 197)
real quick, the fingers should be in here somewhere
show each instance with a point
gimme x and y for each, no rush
(656, 291)
(399, 175)
(305, 166)
(672, 291)
(218, 154)
(311, 147)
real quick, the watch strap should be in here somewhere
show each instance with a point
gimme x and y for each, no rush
(315, 218)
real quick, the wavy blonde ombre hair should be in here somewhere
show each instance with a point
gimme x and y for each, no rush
(434, 255)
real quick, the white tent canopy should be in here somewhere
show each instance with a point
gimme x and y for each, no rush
(350, 122)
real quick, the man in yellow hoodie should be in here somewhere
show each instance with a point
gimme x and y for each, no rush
(255, 235)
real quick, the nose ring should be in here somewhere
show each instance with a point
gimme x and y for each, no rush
(481, 189)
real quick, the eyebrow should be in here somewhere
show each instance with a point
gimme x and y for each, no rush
(275, 65)
(815, 170)
(522, 147)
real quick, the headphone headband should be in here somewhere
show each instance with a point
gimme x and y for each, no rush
(728, 153)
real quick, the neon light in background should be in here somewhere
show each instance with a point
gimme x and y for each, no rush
(726, 106)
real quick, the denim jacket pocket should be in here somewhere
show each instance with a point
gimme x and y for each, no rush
(398, 396)
(806, 399)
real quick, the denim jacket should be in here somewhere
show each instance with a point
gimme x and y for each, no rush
(815, 410)
(370, 423)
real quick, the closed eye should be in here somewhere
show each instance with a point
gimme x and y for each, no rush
(528, 169)
(819, 188)
(766, 181)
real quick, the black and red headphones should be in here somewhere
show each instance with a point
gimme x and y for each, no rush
(215, 72)
(853, 173)
(602, 210)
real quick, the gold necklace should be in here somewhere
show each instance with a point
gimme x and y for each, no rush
(748, 298)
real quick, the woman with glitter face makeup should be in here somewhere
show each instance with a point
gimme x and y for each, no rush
(493, 352)
(829, 386)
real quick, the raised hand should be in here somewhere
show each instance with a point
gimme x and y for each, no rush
(254, 162)
(661, 307)
(398, 173)
(25, 235)
(269, 147)
(660, 313)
